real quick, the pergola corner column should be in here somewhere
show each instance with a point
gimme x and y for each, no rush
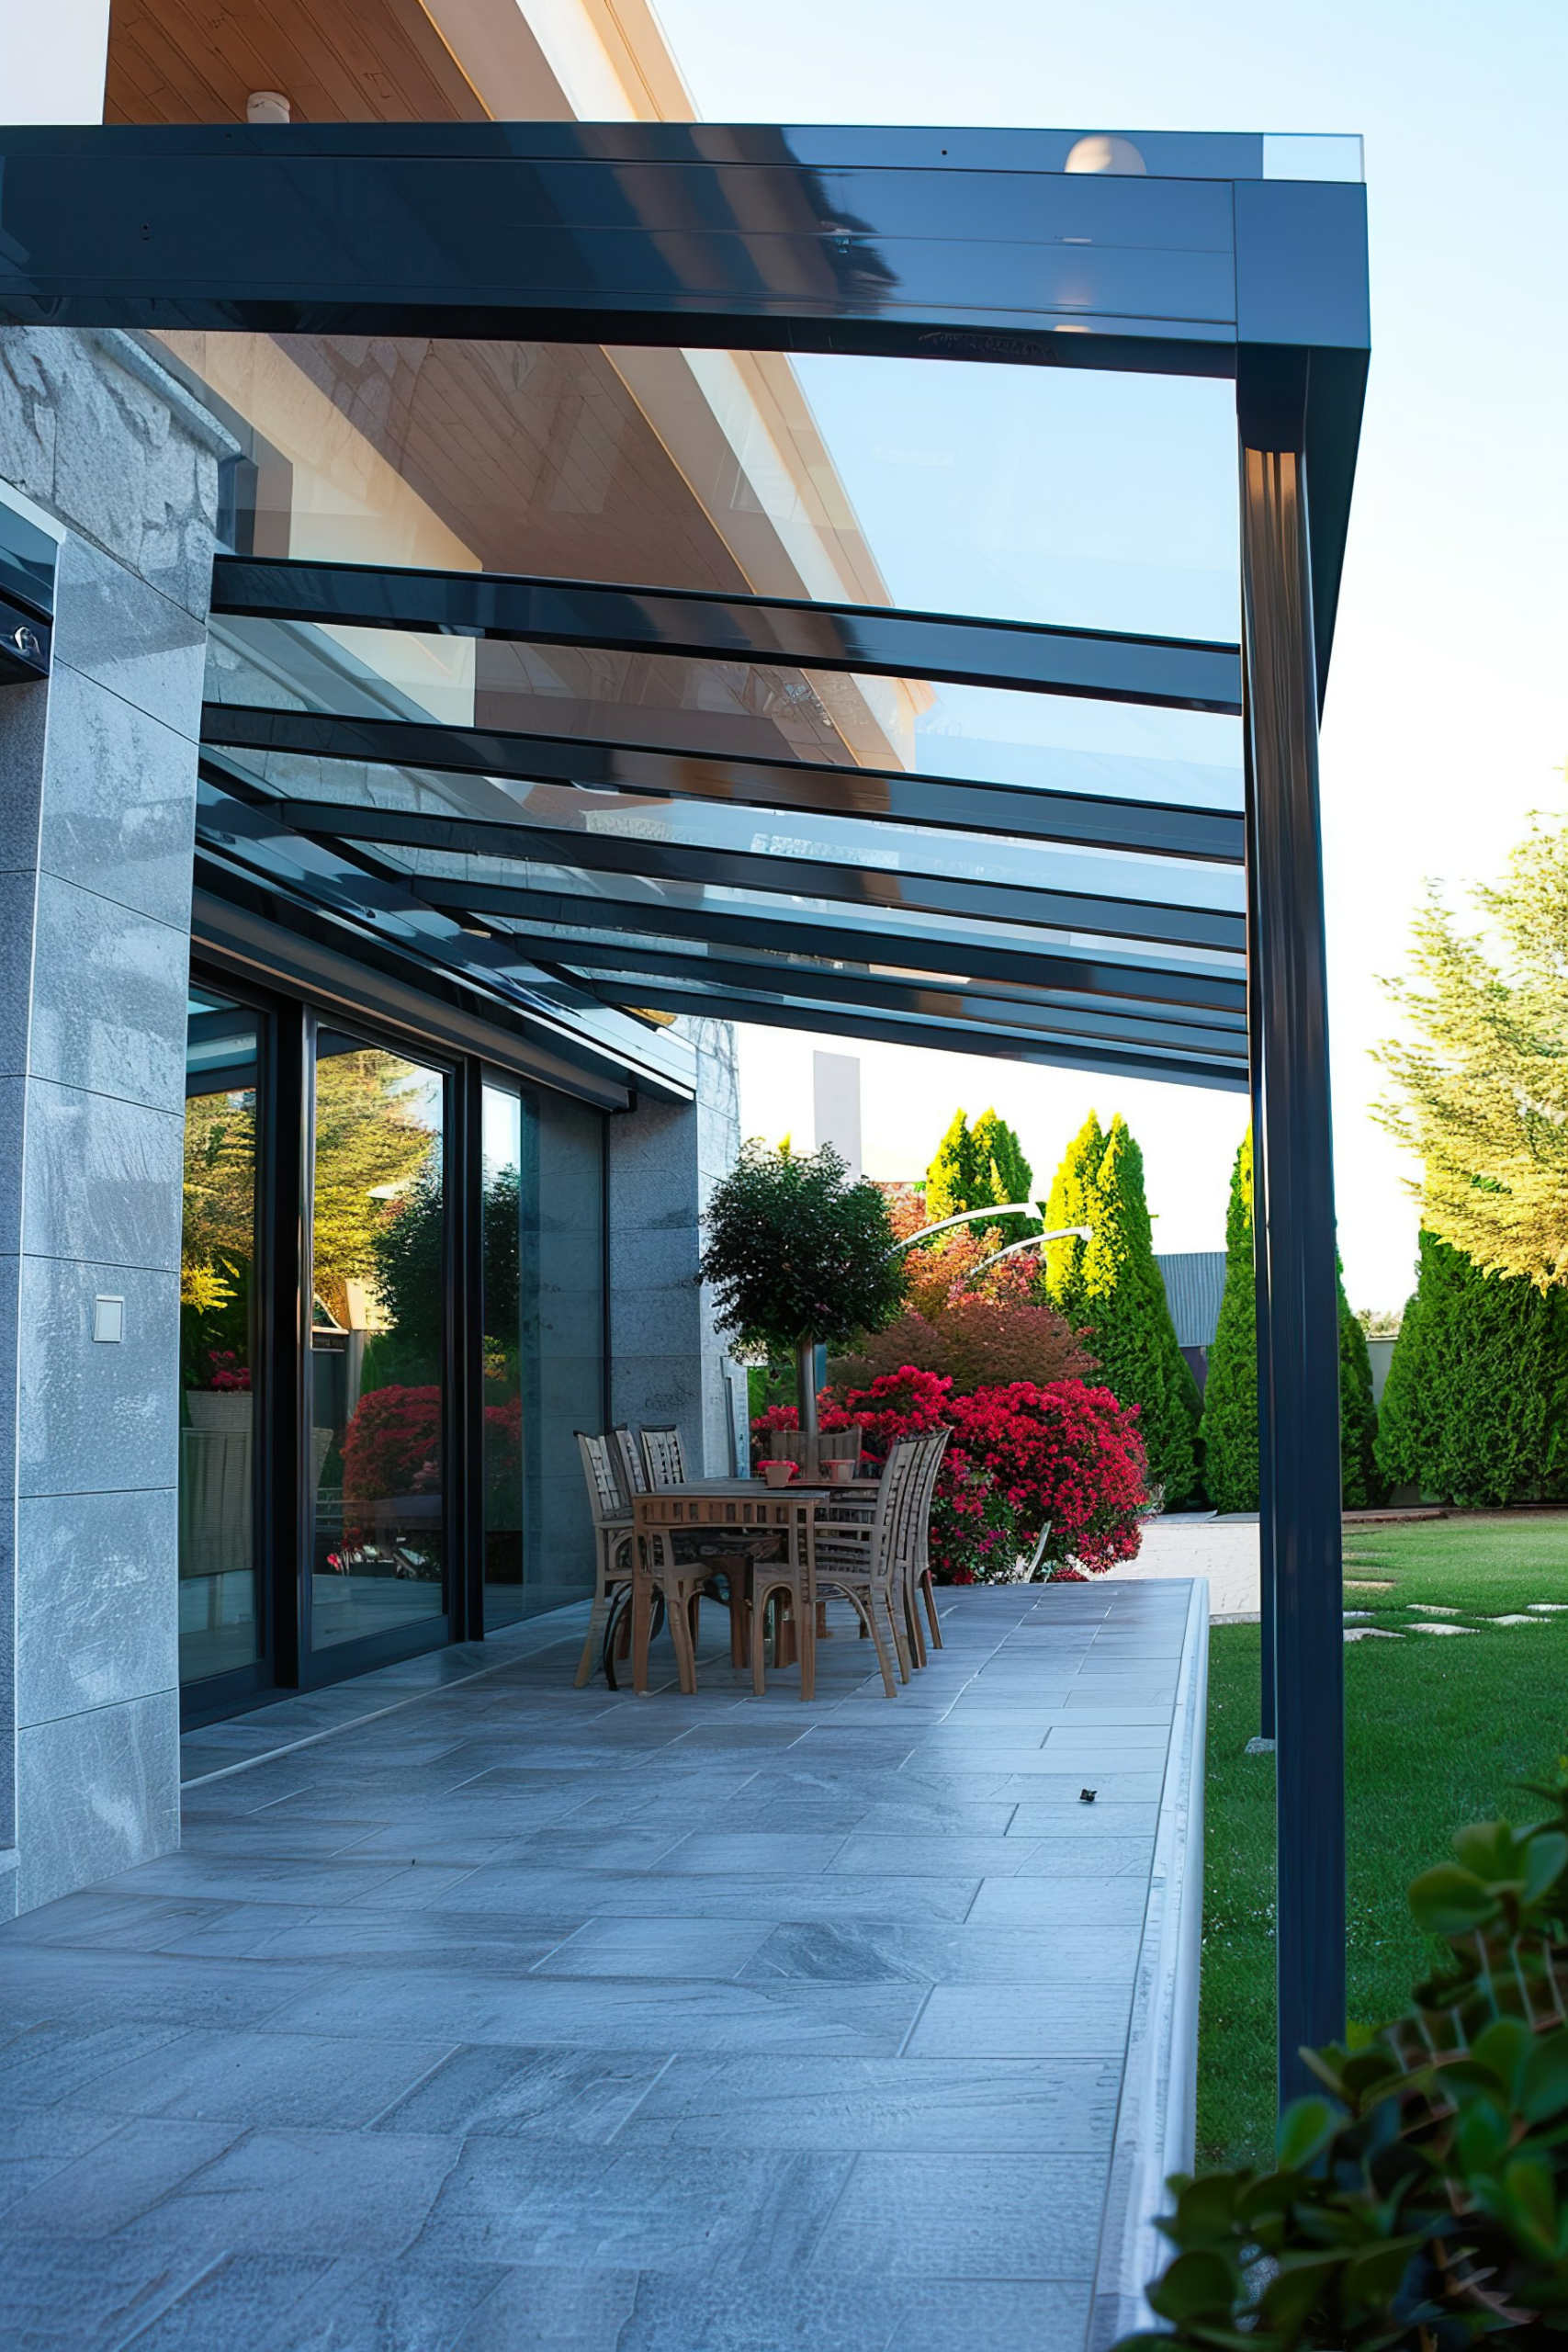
(1298, 1336)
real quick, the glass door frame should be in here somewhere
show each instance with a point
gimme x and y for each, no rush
(213, 1696)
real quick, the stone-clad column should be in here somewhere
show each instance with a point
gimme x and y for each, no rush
(667, 1362)
(97, 792)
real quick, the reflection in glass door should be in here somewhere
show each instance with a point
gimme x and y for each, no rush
(377, 1342)
(502, 1175)
(220, 1365)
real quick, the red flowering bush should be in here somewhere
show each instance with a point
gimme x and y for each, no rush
(392, 1444)
(1023, 1458)
(229, 1376)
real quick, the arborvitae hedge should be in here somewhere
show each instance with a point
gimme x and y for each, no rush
(1475, 1408)
(1230, 1393)
(1360, 1482)
(1230, 1397)
(1128, 1317)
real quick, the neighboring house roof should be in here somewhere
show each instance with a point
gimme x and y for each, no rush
(1194, 1284)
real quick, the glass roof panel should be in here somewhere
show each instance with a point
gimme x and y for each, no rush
(479, 882)
(736, 709)
(746, 832)
(1061, 494)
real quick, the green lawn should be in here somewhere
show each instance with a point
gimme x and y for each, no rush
(1439, 1731)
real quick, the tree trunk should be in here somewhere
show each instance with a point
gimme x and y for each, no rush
(805, 1384)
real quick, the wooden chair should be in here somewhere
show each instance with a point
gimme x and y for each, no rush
(612, 1539)
(664, 1458)
(684, 1563)
(859, 1556)
(916, 1550)
(629, 1464)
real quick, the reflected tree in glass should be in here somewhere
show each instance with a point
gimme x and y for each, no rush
(378, 1325)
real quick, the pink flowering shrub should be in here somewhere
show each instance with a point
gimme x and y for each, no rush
(1021, 1458)
(229, 1376)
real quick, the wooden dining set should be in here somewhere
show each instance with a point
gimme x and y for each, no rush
(842, 1527)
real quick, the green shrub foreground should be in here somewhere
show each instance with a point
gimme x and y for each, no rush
(1423, 2200)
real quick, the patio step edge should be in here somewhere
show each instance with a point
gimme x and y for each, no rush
(1155, 2132)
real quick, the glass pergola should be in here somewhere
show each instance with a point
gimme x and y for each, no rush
(967, 696)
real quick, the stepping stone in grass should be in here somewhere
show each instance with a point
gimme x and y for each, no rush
(1420, 1628)
(1381, 1632)
(1513, 1620)
(1431, 1608)
(1551, 1608)
(1349, 1613)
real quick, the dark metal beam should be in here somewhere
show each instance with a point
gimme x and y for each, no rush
(631, 973)
(1151, 828)
(1006, 1044)
(670, 234)
(1144, 980)
(875, 641)
(879, 890)
(632, 960)
(1299, 1372)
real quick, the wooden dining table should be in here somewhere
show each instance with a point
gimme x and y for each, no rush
(710, 1506)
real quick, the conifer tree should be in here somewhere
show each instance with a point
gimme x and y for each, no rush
(957, 1178)
(1128, 1317)
(1068, 1205)
(1475, 1408)
(1360, 1482)
(1229, 1426)
(1485, 1088)
(998, 1151)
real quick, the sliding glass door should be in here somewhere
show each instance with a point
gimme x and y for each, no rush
(391, 1327)
(378, 1382)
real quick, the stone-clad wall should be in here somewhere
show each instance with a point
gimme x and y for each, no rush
(667, 1361)
(98, 791)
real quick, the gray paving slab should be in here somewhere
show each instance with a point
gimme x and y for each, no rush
(483, 2015)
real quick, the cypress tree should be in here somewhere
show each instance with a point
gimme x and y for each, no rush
(958, 1177)
(1068, 1205)
(1129, 1317)
(1475, 1406)
(1229, 1426)
(997, 1149)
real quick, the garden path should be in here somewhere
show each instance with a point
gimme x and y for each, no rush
(511, 2017)
(1224, 1552)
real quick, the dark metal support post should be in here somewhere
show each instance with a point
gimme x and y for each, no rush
(1297, 1339)
(1260, 1298)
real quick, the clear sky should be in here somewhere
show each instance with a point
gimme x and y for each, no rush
(1447, 720)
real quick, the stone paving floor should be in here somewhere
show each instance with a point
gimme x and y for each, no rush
(524, 2019)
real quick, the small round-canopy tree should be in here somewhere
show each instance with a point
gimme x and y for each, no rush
(798, 1255)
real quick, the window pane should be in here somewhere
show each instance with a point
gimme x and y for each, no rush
(544, 1345)
(219, 1363)
(503, 1399)
(378, 1342)
(563, 1296)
